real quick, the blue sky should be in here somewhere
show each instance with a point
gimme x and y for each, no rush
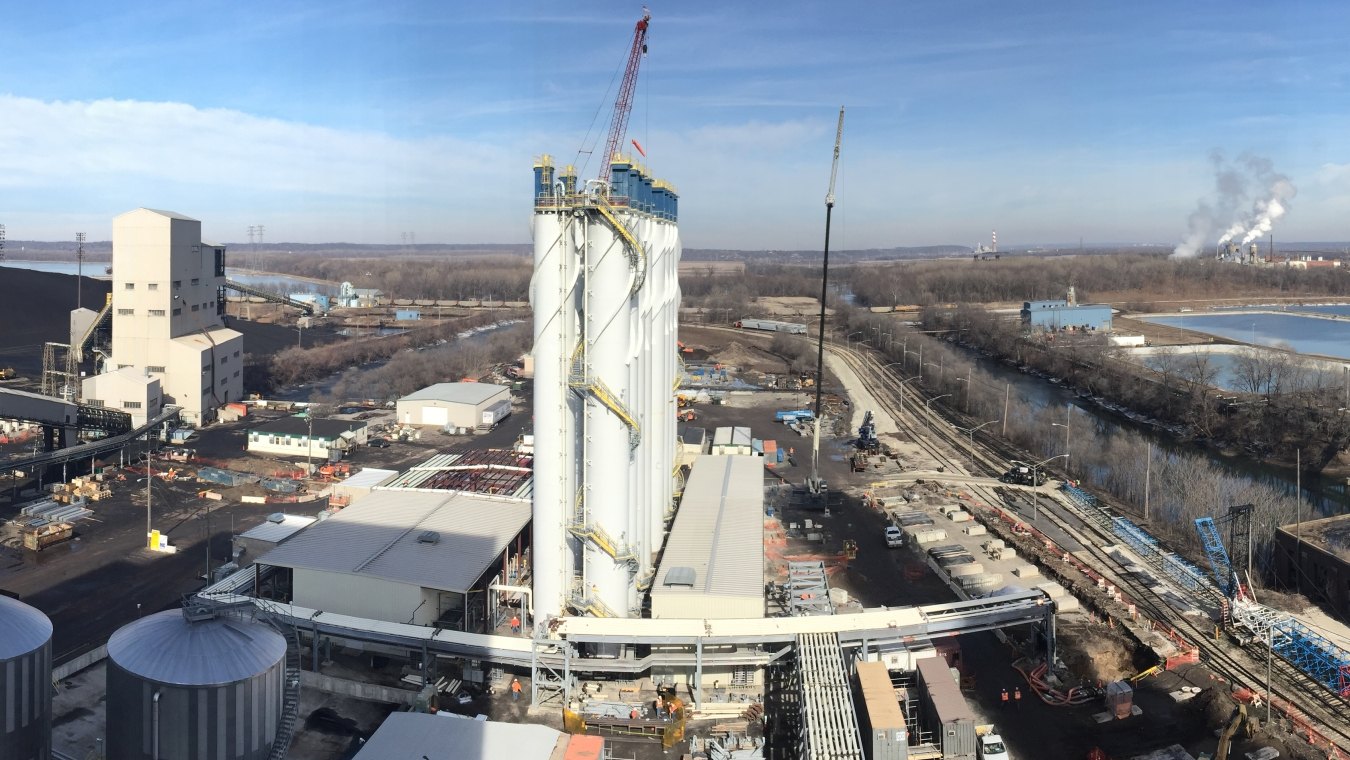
(359, 121)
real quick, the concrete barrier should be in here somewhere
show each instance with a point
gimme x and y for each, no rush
(88, 659)
(357, 689)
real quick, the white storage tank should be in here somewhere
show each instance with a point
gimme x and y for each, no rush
(25, 682)
(199, 687)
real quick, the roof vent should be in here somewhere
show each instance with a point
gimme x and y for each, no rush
(681, 576)
(429, 537)
(277, 517)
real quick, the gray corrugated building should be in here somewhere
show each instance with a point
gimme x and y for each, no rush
(454, 404)
(406, 557)
(414, 735)
(713, 565)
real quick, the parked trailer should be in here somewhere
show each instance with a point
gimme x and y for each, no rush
(772, 325)
(948, 716)
(792, 415)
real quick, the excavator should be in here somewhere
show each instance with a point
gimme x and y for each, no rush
(1239, 722)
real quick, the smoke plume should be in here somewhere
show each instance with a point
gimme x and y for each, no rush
(1249, 196)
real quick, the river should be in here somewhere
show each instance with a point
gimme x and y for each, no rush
(1328, 495)
(267, 280)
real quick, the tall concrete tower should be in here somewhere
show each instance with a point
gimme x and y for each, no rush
(606, 305)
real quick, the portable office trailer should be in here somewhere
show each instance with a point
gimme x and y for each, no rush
(945, 711)
(885, 736)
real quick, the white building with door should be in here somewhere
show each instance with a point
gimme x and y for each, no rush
(455, 405)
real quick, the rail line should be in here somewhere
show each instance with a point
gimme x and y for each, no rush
(1297, 695)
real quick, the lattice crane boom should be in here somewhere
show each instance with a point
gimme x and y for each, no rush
(623, 104)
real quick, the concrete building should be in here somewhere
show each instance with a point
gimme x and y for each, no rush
(316, 439)
(168, 303)
(732, 441)
(454, 404)
(1060, 315)
(713, 565)
(129, 389)
(425, 558)
(1314, 557)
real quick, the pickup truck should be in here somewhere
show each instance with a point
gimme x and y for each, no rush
(991, 746)
(894, 538)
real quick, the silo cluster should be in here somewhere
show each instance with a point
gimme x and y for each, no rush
(606, 299)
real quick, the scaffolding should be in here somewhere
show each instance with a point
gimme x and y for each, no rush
(828, 719)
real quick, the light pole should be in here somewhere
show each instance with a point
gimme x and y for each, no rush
(970, 431)
(902, 391)
(1068, 413)
(1036, 468)
(848, 339)
(928, 409)
(965, 380)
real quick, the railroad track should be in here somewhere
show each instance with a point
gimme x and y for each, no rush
(1325, 711)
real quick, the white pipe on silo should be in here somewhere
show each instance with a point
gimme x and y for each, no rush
(608, 462)
(555, 426)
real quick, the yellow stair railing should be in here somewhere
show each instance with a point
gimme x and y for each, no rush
(602, 540)
(637, 255)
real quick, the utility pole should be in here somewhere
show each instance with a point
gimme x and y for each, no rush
(1007, 396)
(1148, 471)
(814, 485)
(1298, 520)
(969, 372)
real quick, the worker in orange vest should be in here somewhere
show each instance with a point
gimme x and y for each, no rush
(515, 689)
(1017, 696)
(660, 707)
(633, 714)
(1004, 697)
(515, 624)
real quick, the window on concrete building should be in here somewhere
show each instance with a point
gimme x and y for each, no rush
(236, 373)
(131, 405)
(220, 262)
(236, 353)
(177, 284)
(195, 307)
(154, 369)
(93, 402)
(224, 359)
(125, 312)
(156, 312)
(153, 286)
(196, 281)
(177, 312)
(224, 380)
(129, 285)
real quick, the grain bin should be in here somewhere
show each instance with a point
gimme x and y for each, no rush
(25, 682)
(193, 686)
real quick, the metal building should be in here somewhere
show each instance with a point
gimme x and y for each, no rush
(713, 565)
(194, 689)
(25, 682)
(1063, 315)
(605, 297)
(452, 404)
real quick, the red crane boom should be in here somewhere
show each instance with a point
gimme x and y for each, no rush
(623, 104)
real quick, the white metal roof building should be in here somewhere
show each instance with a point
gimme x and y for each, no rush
(406, 557)
(452, 404)
(413, 735)
(713, 565)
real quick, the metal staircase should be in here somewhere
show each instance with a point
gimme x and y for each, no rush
(637, 255)
(602, 540)
(586, 385)
(290, 700)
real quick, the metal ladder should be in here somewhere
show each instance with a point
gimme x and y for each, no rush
(290, 702)
(579, 381)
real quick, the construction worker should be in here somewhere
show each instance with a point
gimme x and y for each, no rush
(660, 708)
(515, 689)
(633, 714)
(1017, 696)
(1004, 697)
(515, 624)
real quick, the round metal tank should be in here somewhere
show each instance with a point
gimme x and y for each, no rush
(194, 690)
(25, 682)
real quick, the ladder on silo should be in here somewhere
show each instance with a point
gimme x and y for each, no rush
(637, 255)
(290, 700)
(581, 382)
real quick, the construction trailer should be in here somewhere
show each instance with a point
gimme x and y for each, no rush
(885, 735)
(945, 711)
